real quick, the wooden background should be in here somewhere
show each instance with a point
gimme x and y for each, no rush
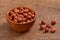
(45, 9)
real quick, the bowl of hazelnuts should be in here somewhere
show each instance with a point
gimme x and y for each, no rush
(21, 19)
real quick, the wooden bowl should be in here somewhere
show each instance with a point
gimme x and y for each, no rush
(20, 27)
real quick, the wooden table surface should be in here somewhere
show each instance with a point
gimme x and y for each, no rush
(45, 9)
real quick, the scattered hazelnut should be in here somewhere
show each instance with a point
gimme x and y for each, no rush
(42, 27)
(53, 22)
(53, 30)
(48, 26)
(46, 30)
(43, 22)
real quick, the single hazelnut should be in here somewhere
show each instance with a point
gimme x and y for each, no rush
(21, 8)
(11, 12)
(23, 19)
(19, 20)
(26, 10)
(12, 16)
(53, 22)
(29, 17)
(53, 30)
(33, 12)
(25, 14)
(21, 16)
(43, 22)
(24, 22)
(15, 17)
(42, 27)
(21, 12)
(48, 26)
(32, 15)
(28, 20)
(16, 10)
(15, 20)
(29, 13)
(46, 30)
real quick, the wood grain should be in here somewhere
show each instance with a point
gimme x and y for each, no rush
(45, 9)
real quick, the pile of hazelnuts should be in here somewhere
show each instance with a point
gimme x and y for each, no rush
(21, 15)
(48, 27)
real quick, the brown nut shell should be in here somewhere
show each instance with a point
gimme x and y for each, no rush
(48, 26)
(43, 22)
(53, 30)
(46, 30)
(42, 27)
(53, 22)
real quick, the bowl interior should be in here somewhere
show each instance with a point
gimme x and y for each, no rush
(20, 23)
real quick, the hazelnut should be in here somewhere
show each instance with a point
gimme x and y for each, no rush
(21, 12)
(42, 27)
(11, 12)
(32, 12)
(21, 16)
(16, 10)
(12, 16)
(21, 8)
(28, 20)
(32, 15)
(29, 17)
(46, 30)
(26, 10)
(24, 22)
(29, 13)
(23, 19)
(48, 26)
(25, 14)
(53, 22)
(19, 20)
(15, 17)
(15, 20)
(43, 22)
(53, 30)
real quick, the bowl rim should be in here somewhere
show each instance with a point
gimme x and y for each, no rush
(20, 23)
